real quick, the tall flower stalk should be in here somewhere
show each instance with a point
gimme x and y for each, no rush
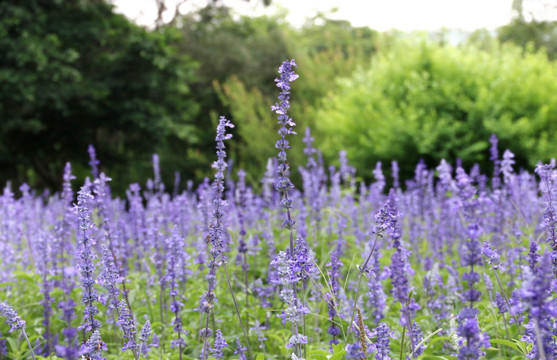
(87, 270)
(215, 236)
(285, 260)
(86, 264)
(15, 322)
(548, 176)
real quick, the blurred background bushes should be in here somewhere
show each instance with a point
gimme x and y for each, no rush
(424, 101)
(74, 73)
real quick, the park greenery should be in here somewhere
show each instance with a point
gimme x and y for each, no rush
(77, 73)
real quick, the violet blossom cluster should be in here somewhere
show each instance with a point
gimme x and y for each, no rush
(215, 236)
(86, 265)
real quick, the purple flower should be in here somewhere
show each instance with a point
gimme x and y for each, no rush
(376, 294)
(492, 257)
(158, 186)
(384, 335)
(144, 338)
(174, 245)
(548, 186)
(296, 341)
(95, 346)
(284, 184)
(110, 277)
(533, 256)
(216, 231)
(501, 304)
(395, 174)
(12, 318)
(379, 178)
(125, 320)
(494, 156)
(416, 337)
(536, 294)
(86, 265)
(240, 350)
(472, 339)
(386, 218)
(507, 166)
(93, 162)
(219, 345)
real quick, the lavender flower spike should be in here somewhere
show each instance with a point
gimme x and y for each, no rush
(295, 311)
(284, 184)
(93, 162)
(220, 344)
(125, 320)
(216, 230)
(94, 347)
(15, 322)
(12, 318)
(144, 338)
(86, 265)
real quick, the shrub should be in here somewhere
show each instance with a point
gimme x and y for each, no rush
(422, 100)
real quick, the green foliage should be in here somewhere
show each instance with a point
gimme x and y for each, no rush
(75, 73)
(421, 100)
(254, 125)
(243, 50)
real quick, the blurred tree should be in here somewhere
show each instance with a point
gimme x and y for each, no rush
(74, 73)
(539, 35)
(173, 7)
(246, 49)
(423, 100)
(532, 25)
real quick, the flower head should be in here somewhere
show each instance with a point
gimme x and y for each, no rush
(12, 318)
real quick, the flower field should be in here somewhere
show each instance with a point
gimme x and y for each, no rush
(452, 264)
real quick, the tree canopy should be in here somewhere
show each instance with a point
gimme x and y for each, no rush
(75, 73)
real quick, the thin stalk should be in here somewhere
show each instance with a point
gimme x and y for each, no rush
(250, 356)
(426, 339)
(205, 337)
(161, 304)
(409, 324)
(179, 334)
(304, 316)
(327, 282)
(506, 328)
(246, 284)
(402, 343)
(360, 275)
(294, 288)
(506, 300)
(541, 350)
(28, 343)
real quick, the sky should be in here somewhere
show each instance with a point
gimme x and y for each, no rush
(382, 15)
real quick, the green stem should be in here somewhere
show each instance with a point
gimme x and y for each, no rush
(250, 355)
(360, 275)
(506, 301)
(402, 343)
(28, 343)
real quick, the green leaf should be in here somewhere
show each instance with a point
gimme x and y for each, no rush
(13, 344)
(338, 352)
(318, 355)
(513, 345)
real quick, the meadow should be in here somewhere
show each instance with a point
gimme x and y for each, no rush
(453, 264)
